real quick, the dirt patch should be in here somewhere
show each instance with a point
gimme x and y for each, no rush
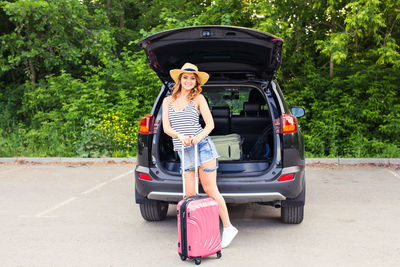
(81, 163)
(365, 165)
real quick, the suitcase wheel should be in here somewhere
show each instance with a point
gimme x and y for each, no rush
(197, 261)
(182, 257)
(219, 254)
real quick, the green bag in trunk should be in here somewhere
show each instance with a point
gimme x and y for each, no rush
(229, 147)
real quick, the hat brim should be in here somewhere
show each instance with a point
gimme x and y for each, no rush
(203, 76)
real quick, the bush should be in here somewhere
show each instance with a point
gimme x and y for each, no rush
(94, 115)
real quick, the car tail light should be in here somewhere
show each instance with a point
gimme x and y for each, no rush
(144, 176)
(146, 125)
(286, 177)
(288, 123)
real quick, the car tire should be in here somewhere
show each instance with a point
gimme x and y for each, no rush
(155, 211)
(292, 214)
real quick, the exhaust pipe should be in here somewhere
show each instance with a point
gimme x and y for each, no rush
(277, 204)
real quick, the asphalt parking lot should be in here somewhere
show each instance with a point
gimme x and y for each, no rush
(60, 215)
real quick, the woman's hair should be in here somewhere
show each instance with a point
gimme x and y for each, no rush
(196, 90)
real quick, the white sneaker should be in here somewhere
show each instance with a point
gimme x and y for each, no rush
(228, 235)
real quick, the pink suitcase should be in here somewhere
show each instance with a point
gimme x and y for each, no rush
(198, 224)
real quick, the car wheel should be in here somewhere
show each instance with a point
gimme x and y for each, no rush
(292, 214)
(156, 211)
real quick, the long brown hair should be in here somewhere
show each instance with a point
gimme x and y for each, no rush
(196, 90)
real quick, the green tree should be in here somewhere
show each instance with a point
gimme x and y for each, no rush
(50, 36)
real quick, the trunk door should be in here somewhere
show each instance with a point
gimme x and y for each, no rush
(224, 52)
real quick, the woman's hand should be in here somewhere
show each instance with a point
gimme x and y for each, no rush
(186, 140)
(196, 140)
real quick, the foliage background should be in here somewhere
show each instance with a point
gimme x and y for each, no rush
(73, 82)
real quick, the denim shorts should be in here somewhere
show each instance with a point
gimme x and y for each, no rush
(206, 151)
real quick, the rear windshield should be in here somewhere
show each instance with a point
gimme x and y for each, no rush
(233, 97)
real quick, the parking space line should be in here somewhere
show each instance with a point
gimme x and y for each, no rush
(56, 207)
(43, 213)
(94, 188)
(122, 175)
(104, 183)
(395, 174)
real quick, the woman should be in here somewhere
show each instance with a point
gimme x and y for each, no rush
(180, 119)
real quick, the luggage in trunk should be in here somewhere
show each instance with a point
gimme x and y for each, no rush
(229, 147)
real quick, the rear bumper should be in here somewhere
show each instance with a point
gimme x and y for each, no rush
(234, 190)
(229, 197)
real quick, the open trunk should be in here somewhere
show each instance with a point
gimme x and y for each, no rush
(224, 52)
(236, 109)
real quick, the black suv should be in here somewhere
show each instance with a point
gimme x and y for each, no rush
(244, 99)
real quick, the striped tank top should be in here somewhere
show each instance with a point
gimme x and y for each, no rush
(185, 122)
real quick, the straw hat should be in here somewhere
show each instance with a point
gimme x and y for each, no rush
(189, 68)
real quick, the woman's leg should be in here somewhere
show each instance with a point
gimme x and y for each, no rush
(189, 183)
(208, 178)
(209, 182)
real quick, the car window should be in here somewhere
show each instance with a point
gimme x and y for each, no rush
(234, 97)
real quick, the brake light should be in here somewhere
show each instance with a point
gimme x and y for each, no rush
(288, 124)
(286, 177)
(144, 176)
(146, 125)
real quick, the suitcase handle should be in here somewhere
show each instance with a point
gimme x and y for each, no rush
(196, 171)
